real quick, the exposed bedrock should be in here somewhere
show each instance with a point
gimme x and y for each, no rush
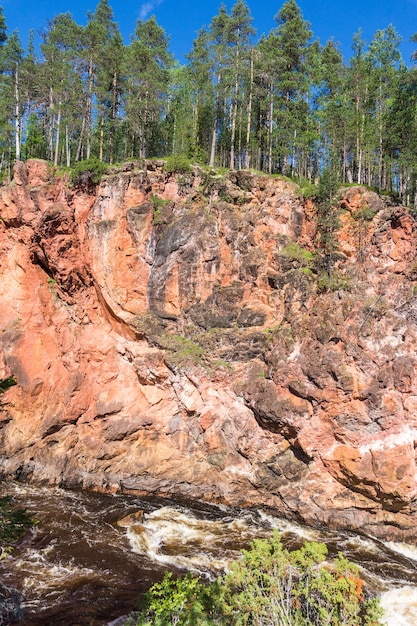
(174, 334)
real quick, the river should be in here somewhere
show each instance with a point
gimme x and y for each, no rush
(79, 567)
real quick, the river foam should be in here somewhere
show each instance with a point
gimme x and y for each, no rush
(181, 540)
(400, 606)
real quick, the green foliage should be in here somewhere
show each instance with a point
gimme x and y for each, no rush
(13, 524)
(182, 350)
(308, 190)
(35, 144)
(333, 282)
(178, 163)
(217, 363)
(175, 601)
(158, 204)
(5, 384)
(87, 174)
(327, 218)
(280, 330)
(269, 585)
(363, 214)
(297, 253)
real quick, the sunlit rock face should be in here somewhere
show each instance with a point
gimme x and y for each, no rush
(174, 334)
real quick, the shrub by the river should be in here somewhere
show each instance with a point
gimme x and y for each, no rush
(268, 586)
(13, 524)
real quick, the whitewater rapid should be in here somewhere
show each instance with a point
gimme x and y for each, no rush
(84, 562)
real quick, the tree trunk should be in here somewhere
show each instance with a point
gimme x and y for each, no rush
(57, 134)
(101, 137)
(215, 125)
(113, 116)
(248, 127)
(234, 113)
(271, 112)
(88, 112)
(80, 141)
(17, 114)
(67, 147)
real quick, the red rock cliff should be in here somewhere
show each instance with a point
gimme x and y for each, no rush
(168, 336)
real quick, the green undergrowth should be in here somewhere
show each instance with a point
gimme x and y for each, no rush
(294, 252)
(5, 384)
(310, 264)
(87, 174)
(178, 163)
(336, 281)
(269, 585)
(13, 524)
(182, 351)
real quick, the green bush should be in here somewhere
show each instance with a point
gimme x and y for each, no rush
(5, 384)
(308, 189)
(87, 174)
(269, 585)
(334, 282)
(158, 204)
(178, 163)
(13, 523)
(182, 350)
(294, 252)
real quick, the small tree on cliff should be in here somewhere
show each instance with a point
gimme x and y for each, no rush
(327, 219)
(5, 384)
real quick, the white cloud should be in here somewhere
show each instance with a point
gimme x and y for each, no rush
(147, 8)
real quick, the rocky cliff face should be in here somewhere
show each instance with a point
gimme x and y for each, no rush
(173, 334)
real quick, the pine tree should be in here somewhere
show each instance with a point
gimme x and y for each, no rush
(59, 49)
(200, 81)
(218, 34)
(383, 56)
(333, 110)
(96, 38)
(147, 69)
(327, 219)
(293, 34)
(267, 77)
(11, 59)
(3, 28)
(240, 33)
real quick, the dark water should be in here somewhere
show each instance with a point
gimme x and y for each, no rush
(78, 566)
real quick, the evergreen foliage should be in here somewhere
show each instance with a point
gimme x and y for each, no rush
(283, 104)
(179, 163)
(268, 586)
(13, 523)
(87, 174)
(5, 384)
(327, 218)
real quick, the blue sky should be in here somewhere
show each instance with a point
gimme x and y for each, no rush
(182, 18)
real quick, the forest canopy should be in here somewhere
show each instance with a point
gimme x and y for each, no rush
(282, 103)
